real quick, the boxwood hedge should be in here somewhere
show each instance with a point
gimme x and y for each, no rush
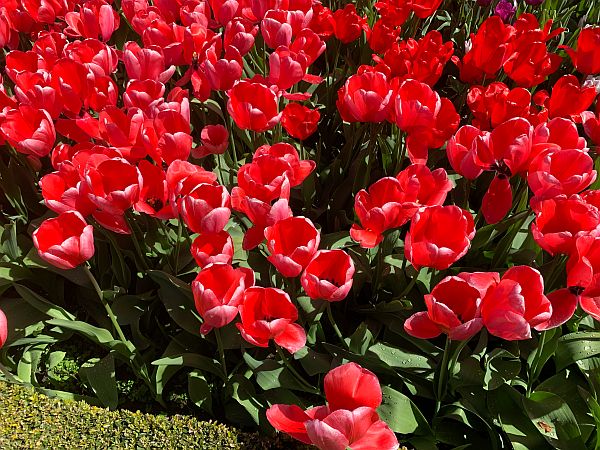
(31, 420)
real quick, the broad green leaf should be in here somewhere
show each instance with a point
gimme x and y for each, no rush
(43, 305)
(192, 360)
(554, 420)
(177, 298)
(199, 390)
(401, 414)
(29, 362)
(100, 374)
(401, 359)
(576, 346)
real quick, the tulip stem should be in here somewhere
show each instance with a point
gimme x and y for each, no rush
(107, 307)
(221, 350)
(334, 325)
(136, 243)
(442, 380)
(411, 285)
(305, 384)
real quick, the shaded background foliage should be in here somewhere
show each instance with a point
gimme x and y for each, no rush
(490, 393)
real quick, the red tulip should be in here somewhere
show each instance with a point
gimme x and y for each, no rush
(65, 241)
(146, 63)
(561, 220)
(276, 29)
(591, 125)
(93, 19)
(299, 121)
(383, 35)
(114, 184)
(556, 172)
(3, 328)
(215, 139)
(240, 33)
(328, 276)
(428, 119)
(212, 248)
(206, 209)
(268, 313)
(29, 130)
(174, 139)
(365, 98)
(488, 51)
(439, 236)
(300, 169)
(496, 103)
(428, 187)
(45, 11)
(286, 68)
(557, 133)
(569, 98)
(291, 243)
(63, 191)
(265, 178)
(462, 151)
(146, 95)
(223, 72)
(218, 291)
(497, 200)
(154, 194)
(309, 44)
(516, 304)
(383, 207)
(350, 419)
(183, 177)
(587, 56)
(421, 60)
(253, 106)
(453, 307)
(348, 25)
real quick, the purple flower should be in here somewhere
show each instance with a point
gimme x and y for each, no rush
(505, 9)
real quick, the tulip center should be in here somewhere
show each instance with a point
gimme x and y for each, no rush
(501, 169)
(155, 203)
(576, 290)
(332, 281)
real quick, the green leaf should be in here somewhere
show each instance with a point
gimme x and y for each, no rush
(505, 405)
(401, 359)
(100, 374)
(29, 362)
(576, 346)
(243, 393)
(501, 366)
(554, 420)
(179, 301)
(192, 360)
(401, 414)
(43, 305)
(199, 390)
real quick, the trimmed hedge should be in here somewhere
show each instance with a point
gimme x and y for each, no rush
(31, 420)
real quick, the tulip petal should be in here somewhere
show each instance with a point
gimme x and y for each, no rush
(420, 326)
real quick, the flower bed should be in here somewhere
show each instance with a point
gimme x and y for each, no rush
(361, 224)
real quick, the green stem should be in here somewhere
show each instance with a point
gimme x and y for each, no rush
(334, 325)
(411, 284)
(533, 375)
(178, 245)
(442, 380)
(107, 307)
(221, 350)
(305, 384)
(133, 226)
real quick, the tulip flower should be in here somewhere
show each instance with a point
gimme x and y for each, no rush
(3, 328)
(350, 419)
(215, 139)
(65, 241)
(253, 106)
(453, 307)
(299, 121)
(212, 248)
(439, 236)
(587, 56)
(218, 290)
(29, 130)
(206, 209)
(365, 98)
(291, 243)
(328, 276)
(268, 313)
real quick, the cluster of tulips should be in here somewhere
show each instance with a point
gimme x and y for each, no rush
(106, 124)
